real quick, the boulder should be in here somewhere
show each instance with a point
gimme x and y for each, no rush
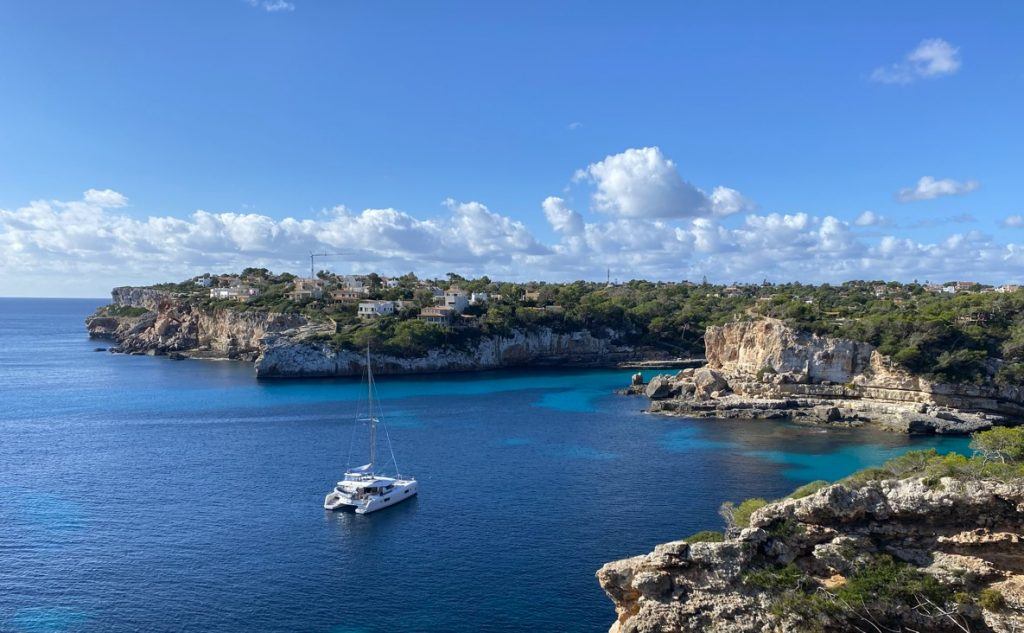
(708, 380)
(659, 387)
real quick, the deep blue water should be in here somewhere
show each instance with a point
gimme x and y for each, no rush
(141, 493)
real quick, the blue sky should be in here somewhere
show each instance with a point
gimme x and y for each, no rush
(267, 115)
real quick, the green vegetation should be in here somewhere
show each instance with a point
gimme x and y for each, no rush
(991, 599)
(935, 334)
(807, 490)
(738, 516)
(880, 591)
(124, 311)
(971, 336)
(705, 536)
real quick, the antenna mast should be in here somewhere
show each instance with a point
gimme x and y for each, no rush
(369, 404)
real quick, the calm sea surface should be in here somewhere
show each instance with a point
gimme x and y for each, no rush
(146, 494)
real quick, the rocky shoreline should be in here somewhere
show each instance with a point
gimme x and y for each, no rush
(292, 346)
(763, 370)
(787, 571)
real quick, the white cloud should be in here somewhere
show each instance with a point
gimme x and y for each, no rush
(644, 183)
(561, 218)
(726, 201)
(86, 246)
(932, 58)
(575, 125)
(869, 218)
(1014, 221)
(928, 188)
(105, 198)
(272, 6)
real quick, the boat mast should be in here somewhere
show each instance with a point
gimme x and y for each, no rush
(369, 404)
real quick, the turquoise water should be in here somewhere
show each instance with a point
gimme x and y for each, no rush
(141, 493)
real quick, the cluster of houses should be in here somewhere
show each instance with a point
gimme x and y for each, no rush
(448, 309)
(227, 287)
(954, 287)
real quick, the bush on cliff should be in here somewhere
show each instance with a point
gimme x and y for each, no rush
(124, 311)
(705, 536)
(738, 516)
(808, 489)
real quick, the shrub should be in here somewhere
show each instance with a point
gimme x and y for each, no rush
(991, 599)
(808, 489)
(705, 536)
(738, 516)
(1000, 444)
(777, 578)
(891, 586)
(125, 311)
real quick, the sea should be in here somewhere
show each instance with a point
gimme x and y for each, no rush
(146, 494)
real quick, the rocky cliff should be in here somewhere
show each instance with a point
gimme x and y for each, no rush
(765, 369)
(287, 355)
(289, 345)
(891, 555)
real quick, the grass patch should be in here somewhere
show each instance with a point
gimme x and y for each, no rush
(705, 536)
(809, 489)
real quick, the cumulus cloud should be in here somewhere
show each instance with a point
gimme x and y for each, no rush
(272, 6)
(726, 201)
(1014, 221)
(928, 188)
(88, 245)
(932, 58)
(644, 183)
(869, 218)
(105, 198)
(561, 218)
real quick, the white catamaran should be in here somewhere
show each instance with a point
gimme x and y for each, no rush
(364, 489)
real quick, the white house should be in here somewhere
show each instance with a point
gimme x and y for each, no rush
(204, 282)
(239, 293)
(479, 298)
(375, 309)
(456, 299)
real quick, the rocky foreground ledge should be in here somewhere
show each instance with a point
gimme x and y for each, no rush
(764, 369)
(150, 321)
(919, 554)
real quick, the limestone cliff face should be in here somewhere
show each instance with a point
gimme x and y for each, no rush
(969, 535)
(746, 347)
(176, 326)
(289, 345)
(139, 297)
(287, 355)
(765, 369)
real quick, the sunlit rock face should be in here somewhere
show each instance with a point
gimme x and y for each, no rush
(290, 345)
(968, 535)
(765, 369)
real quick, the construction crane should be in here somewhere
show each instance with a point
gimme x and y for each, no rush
(312, 260)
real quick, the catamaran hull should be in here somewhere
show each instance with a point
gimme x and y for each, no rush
(400, 493)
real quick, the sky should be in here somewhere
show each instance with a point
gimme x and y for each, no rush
(737, 141)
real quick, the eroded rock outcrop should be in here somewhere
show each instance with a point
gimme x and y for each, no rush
(152, 321)
(765, 369)
(286, 354)
(785, 572)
